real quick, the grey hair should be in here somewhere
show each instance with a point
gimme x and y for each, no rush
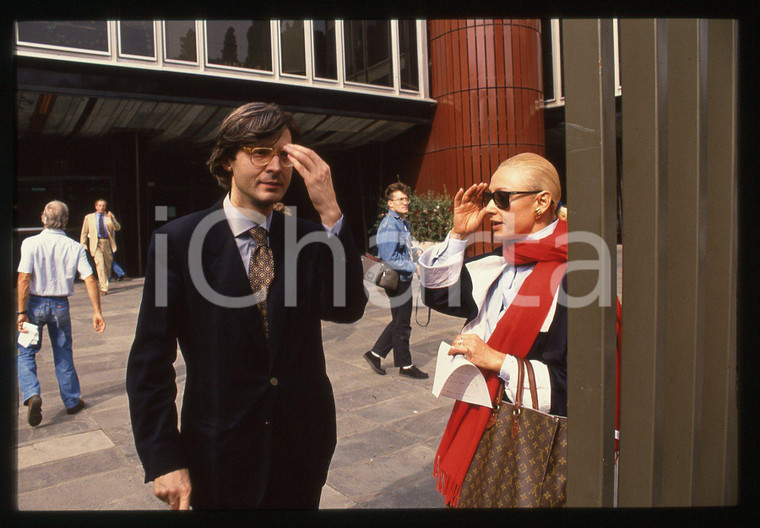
(55, 215)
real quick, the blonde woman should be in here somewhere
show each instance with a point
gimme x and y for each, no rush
(511, 298)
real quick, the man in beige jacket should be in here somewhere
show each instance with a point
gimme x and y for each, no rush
(98, 237)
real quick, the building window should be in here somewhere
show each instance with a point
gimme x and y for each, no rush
(136, 38)
(325, 55)
(367, 46)
(407, 44)
(239, 43)
(91, 35)
(292, 47)
(179, 36)
(547, 59)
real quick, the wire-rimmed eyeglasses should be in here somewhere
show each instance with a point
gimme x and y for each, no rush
(261, 156)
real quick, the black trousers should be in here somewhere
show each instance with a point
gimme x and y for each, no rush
(396, 334)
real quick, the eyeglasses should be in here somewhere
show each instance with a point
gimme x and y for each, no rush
(261, 156)
(501, 198)
(402, 200)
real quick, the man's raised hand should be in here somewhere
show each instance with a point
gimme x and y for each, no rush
(318, 179)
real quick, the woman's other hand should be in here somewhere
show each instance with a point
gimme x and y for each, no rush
(475, 350)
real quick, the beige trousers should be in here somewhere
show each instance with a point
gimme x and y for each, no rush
(103, 261)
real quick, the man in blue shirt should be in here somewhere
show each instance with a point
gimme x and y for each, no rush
(394, 246)
(49, 263)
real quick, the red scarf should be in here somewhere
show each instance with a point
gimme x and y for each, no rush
(514, 334)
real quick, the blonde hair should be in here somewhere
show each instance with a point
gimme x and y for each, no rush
(540, 174)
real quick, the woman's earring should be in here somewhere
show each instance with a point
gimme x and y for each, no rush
(538, 213)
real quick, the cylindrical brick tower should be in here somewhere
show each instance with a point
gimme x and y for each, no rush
(486, 77)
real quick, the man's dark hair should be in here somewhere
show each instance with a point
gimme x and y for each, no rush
(398, 186)
(247, 125)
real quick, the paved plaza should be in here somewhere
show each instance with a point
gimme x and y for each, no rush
(388, 426)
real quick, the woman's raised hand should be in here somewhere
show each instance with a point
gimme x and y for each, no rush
(468, 210)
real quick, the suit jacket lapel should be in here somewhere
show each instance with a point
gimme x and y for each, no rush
(227, 276)
(277, 312)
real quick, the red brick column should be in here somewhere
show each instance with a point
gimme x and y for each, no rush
(486, 76)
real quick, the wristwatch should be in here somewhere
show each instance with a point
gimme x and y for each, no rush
(21, 312)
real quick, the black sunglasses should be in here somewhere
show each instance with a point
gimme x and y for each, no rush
(501, 198)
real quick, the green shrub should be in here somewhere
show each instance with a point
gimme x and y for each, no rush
(430, 215)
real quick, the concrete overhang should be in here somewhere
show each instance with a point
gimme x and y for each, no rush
(83, 100)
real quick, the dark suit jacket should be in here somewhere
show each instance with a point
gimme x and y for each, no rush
(549, 347)
(255, 413)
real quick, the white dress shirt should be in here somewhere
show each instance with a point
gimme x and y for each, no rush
(242, 220)
(53, 260)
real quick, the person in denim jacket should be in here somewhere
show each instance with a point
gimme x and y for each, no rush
(394, 246)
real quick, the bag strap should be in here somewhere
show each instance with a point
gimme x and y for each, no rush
(419, 301)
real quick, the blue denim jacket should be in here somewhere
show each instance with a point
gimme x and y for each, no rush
(394, 244)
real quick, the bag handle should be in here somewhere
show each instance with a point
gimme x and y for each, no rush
(517, 409)
(532, 384)
(523, 367)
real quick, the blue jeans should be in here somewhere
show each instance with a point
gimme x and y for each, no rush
(117, 270)
(53, 312)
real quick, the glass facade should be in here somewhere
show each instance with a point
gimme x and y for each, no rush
(325, 53)
(91, 35)
(292, 47)
(374, 56)
(367, 45)
(179, 41)
(239, 43)
(136, 38)
(407, 43)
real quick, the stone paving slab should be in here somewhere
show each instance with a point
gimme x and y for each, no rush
(388, 426)
(383, 474)
(48, 474)
(62, 447)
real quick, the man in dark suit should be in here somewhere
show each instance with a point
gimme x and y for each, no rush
(245, 305)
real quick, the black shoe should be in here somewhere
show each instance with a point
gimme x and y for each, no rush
(374, 362)
(412, 372)
(78, 407)
(34, 415)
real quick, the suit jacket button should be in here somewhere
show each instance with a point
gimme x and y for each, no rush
(274, 381)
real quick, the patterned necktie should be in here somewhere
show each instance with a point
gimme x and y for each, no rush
(261, 270)
(101, 225)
